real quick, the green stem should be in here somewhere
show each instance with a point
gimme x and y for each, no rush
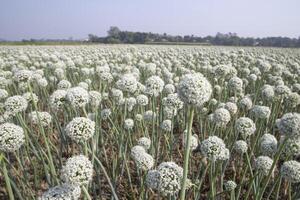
(7, 181)
(187, 152)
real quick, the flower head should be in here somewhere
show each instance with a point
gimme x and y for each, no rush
(80, 129)
(194, 89)
(78, 170)
(11, 137)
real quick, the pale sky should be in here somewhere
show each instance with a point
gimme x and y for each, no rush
(54, 19)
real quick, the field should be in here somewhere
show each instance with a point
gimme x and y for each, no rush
(149, 122)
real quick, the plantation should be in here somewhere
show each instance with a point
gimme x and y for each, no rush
(149, 122)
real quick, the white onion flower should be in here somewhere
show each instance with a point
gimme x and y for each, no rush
(78, 170)
(289, 125)
(58, 99)
(95, 98)
(127, 83)
(11, 137)
(62, 192)
(80, 129)
(213, 148)
(290, 170)
(166, 125)
(260, 112)
(3, 94)
(142, 100)
(230, 185)
(263, 164)
(128, 124)
(31, 97)
(245, 126)
(194, 89)
(144, 142)
(64, 85)
(268, 144)
(77, 96)
(105, 113)
(42, 118)
(221, 117)
(15, 104)
(240, 146)
(154, 86)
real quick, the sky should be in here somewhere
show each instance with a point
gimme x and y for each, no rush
(61, 19)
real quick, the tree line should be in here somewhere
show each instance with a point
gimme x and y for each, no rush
(116, 36)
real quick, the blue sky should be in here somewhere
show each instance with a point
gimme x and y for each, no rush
(77, 18)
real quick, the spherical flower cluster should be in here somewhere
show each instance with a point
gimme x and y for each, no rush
(58, 99)
(143, 160)
(213, 102)
(149, 116)
(290, 170)
(292, 100)
(231, 107)
(240, 146)
(23, 86)
(64, 85)
(77, 96)
(230, 185)
(130, 102)
(264, 66)
(142, 100)
(42, 82)
(193, 140)
(194, 89)
(267, 93)
(83, 85)
(42, 118)
(245, 126)
(217, 89)
(15, 104)
(80, 129)
(144, 142)
(291, 147)
(138, 117)
(105, 113)
(268, 144)
(213, 148)
(3, 94)
(221, 117)
(106, 77)
(282, 90)
(166, 125)
(22, 75)
(173, 101)
(11, 137)
(127, 83)
(95, 98)
(117, 95)
(263, 164)
(169, 89)
(78, 170)
(166, 179)
(235, 85)
(154, 86)
(31, 97)
(245, 103)
(289, 124)
(260, 112)
(128, 124)
(62, 192)
(152, 179)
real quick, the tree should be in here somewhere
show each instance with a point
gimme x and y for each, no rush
(113, 32)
